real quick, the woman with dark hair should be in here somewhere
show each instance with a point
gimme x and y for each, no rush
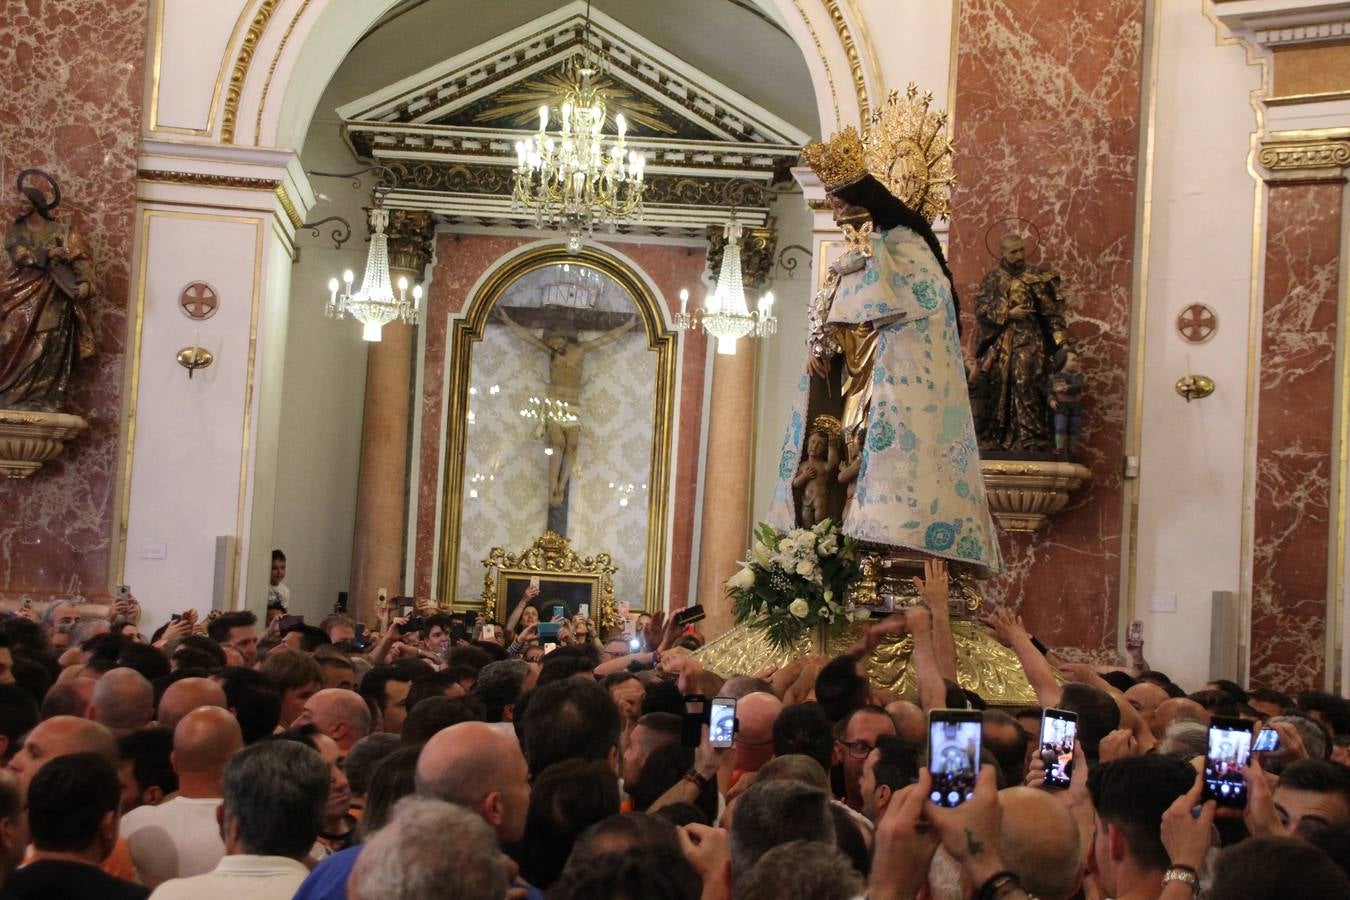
(886, 378)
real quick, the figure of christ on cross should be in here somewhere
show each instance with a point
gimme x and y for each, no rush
(567, 357)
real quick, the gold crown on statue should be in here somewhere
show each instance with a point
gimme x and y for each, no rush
(838, 162)
(828, 425)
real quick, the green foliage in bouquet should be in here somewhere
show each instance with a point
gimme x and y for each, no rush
(794, 581)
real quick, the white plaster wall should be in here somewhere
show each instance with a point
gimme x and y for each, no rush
(189, 437)
(912, 40)
(782, 358)
(1200, 244)
(193, 38)
(319, 448)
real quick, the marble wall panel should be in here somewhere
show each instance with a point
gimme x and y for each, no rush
(1046, 129)
(1295, 436)
(70, 103)
(460, 261)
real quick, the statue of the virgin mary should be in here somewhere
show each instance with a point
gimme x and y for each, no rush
(885, 371)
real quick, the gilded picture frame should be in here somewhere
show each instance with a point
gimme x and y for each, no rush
(467, 330)
(565, 578)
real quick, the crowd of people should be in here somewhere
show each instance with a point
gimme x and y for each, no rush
(228, 758)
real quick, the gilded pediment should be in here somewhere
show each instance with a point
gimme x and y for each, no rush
(450, 130)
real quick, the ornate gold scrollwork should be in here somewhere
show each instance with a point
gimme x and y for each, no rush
(551, 558)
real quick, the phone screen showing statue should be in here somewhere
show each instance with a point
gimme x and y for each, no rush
(953, 758)
(1230, 747)
(722, 722)
(1267, 741)
(1059, 730)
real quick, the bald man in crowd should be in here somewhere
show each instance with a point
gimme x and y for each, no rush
(475, 765)
(910, 721)
(341, 714)
(1146, 697)
(1177, 709)
(181, 837)
(123, 701)
(63, 736)
(71, 697)
(753, 745)
(185, 695)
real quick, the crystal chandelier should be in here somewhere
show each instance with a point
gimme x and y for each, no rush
(375, 304)
(725, 313)
(577, 177)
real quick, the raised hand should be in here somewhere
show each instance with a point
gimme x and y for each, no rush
(1186, 837)
(935, 583)
(1007, 626)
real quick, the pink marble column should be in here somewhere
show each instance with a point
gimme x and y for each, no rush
(1295, 442)
(727, 482)
(381, 494)
(1046, 129)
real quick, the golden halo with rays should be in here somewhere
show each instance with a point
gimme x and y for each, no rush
(519, 107)
(907, 149)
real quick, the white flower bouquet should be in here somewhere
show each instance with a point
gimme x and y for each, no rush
(794, 581)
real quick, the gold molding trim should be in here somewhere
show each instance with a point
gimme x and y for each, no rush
(1296, 99)
(233, 182)
(855, 67)
(242, 62)
(820, 51)
(208, 179)
(215, 90)
(288, 207)
(1134, 435)
(467, 330)
(272, 70)
(865, 34)
(1311, 157)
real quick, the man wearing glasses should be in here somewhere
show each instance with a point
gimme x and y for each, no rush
(858, 734)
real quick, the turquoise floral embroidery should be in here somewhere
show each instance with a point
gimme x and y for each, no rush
(908, 440)
(880, 436)
(921, 326)
(960, 458)
(871, 276)
(797, 426)
(962, 489)
(786, 464)
(968, 547)
(939, 536)
(926, 294)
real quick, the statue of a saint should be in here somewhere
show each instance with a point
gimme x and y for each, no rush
(1021, 317)
(884, 357)
(44, 327)
(1066, 399)
(567, 358)
(816, 474)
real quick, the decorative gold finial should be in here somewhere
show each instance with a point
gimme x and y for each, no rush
(838, 162)
(907, 149)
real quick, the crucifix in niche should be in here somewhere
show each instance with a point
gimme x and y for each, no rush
(559, 413)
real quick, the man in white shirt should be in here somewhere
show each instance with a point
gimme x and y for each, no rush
(181, 837)
(273, 804)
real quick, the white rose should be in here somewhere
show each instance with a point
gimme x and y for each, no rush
(742, 580)
(799, 608)
(785, 545)
(805, 568)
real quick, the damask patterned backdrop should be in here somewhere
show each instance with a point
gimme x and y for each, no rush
(506, 472)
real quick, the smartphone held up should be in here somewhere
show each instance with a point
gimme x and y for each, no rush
(1230, 750)
(1059, 731)
(953, 755)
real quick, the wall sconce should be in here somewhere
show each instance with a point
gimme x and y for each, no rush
(194, 358)
(1195, 387)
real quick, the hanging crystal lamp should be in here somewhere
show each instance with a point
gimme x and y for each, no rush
(725, 313)
(375, 304)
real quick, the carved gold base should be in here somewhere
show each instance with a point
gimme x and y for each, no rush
(1024, 493)
(29, 438)
(983, 665)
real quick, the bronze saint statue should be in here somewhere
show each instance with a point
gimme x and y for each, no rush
(567, 357)
(1021, 318)
(44, 325)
